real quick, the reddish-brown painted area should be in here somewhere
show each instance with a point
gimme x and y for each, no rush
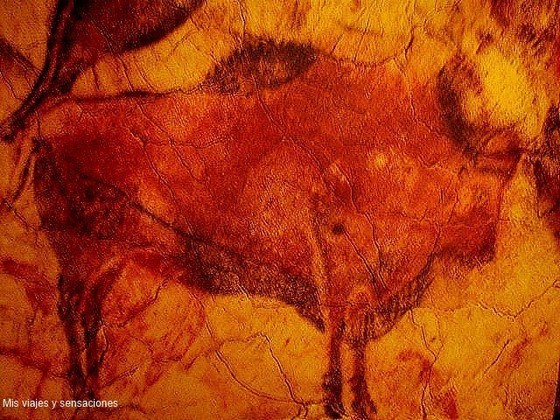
(340, 186)
(288, 172)
(82, 32)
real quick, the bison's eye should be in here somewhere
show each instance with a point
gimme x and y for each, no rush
(338, 229)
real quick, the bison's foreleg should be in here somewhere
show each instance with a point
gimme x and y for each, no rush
(362, 404)
(358, 318)
(350, 325)
(333, 380)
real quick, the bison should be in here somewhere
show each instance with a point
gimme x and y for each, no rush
(329, 185)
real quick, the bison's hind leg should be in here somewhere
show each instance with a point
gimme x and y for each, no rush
(70, 312)
(79, 309)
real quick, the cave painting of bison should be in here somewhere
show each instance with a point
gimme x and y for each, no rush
(287, 173)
